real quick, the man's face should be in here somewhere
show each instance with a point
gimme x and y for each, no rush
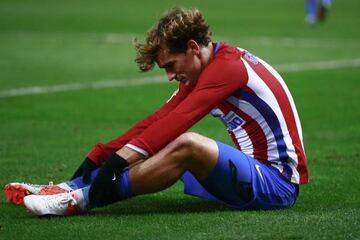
(183, 67)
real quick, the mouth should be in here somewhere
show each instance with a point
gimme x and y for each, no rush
(182, 80)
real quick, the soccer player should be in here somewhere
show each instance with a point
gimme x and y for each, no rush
(265, 169)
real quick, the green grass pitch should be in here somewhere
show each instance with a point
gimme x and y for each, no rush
(44, 137)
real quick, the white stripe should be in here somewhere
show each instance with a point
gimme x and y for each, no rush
(290, 67)
(138, 149)
(246, 107)
(244, 141)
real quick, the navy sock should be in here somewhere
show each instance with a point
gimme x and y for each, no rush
(123, 191)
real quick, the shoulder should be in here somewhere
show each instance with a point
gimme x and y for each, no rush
(227, 58)
(226, 63)
(226, 68)
(228, 52)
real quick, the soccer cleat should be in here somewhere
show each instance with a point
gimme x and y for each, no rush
(58, 204)
(15, 192)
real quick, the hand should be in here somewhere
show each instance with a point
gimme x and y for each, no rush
(105, 187)
(85, 170)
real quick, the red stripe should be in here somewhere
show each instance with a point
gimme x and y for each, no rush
(286, 110)
(233, 137)
(249, 90)
(224, 108)
(255, 133)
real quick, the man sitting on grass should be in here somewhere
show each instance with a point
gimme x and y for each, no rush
(243, 91)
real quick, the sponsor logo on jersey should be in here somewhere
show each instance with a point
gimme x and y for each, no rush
(233, 120)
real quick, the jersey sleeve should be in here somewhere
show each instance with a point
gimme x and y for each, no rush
(217, 82)
(102, 150)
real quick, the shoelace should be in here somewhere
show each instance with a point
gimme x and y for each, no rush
(54, 202)
(70, 200)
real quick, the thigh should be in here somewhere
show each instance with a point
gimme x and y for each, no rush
(244, 182)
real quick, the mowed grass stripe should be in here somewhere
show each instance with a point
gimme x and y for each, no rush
(286, 67)
(127, 37)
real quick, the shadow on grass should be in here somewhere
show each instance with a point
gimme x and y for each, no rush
(163, 205)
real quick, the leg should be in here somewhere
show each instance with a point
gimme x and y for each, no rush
(311, 10)
(323, 9)
(227, 173)
(190, 151)
(78, 182)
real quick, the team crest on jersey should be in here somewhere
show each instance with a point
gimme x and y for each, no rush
(233, 120)
(251, 58)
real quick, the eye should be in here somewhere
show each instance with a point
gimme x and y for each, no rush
(170, 66)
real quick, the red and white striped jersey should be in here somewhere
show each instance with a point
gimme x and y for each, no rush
(250, 98)
(262, 120)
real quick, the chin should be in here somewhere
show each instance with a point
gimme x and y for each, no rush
(189, 83)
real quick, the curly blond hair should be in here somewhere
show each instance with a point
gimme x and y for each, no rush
(173, 30)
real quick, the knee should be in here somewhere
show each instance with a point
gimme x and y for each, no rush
(195, 153)
(186, 142)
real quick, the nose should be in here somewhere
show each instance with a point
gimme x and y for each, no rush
(170, 75)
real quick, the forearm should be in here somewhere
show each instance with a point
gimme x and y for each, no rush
(131, 156)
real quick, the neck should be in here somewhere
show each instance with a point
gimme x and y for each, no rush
(207, 54)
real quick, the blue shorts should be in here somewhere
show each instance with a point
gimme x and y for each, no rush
(240, 181)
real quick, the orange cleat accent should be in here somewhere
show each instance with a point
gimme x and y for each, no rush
(15, 192)
(51, 190)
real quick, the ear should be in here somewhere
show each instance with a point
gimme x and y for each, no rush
(193, 47)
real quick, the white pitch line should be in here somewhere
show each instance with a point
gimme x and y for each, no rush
(321, 65)
(287, 67)
(35, 90)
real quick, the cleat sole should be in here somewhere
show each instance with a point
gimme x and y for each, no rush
(15, 193)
